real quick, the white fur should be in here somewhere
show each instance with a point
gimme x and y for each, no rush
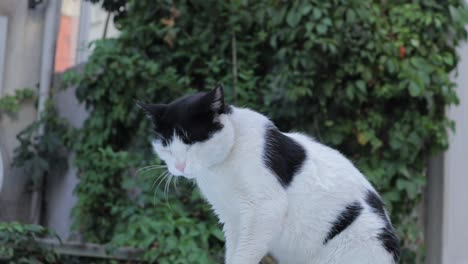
(259, 216)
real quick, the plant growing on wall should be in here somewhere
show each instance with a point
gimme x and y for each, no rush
(369, 77)
(18, 244)
(46, 152)
(10, 104)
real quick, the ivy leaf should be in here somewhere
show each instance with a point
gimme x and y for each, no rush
(448, 59)
(414, 89)
(306, 9)
(321, 29)
(293, 18)
(415, 43)
(317, 13)
(391, 65)
(218, 234)
(350, 16)
(361, 85)
(361, 138)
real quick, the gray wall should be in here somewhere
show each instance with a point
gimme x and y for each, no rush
(22, 67)
(455, 220)
(59, 198)
(433, 210)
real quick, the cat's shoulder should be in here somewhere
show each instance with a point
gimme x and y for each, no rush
(246, 117)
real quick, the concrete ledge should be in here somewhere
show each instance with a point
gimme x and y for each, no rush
(91, 250)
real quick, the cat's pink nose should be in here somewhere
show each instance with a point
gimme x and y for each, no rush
(180, 166)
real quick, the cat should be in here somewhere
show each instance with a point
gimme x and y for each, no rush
(279, 193)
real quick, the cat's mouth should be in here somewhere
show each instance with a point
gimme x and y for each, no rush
(189, 175)
(178, 173)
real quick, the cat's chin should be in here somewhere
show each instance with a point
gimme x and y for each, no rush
(184, 175)
(188, 176)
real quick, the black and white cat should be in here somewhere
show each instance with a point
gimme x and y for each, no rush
(278, 193)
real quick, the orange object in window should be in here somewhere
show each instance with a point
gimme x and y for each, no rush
(65, 52)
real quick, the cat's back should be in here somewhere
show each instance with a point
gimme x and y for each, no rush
(298, 157)
(327, 167)
(331, 205)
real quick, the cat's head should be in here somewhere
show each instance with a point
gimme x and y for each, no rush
(192, 133)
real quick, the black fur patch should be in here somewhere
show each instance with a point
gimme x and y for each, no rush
(390, 241)
(344, 220)
(374, 201)
(193, 118)
(387, 235)
(282, 155)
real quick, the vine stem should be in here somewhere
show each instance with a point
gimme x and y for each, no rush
(106, 25)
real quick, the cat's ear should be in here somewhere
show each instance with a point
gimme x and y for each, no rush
(153, 111)
(216, 97)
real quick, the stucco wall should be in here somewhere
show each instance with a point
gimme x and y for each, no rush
(22, 69)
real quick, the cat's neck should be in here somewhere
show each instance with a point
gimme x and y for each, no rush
(248, 128)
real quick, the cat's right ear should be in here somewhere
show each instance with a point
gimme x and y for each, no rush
(153, 111)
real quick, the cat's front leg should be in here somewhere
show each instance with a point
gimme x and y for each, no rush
(260, 222)
(231, 235)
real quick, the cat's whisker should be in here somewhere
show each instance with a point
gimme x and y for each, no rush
(154, 197)
(154, 183)
(167, 191)
(166, 187)
(160, 180)
(145, 168)
(165, 174)
(175, 184)
(150, 167)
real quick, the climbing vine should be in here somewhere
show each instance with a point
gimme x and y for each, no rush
(10, 104)
(368, 77)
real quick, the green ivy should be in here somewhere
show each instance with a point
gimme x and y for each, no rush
(40, 152)
(10, 104)
(368, 77)
(184, 228)
(18, 244)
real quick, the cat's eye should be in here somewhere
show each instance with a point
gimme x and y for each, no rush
(167, 151)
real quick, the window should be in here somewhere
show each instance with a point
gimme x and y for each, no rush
(80, 23)
(67, 39)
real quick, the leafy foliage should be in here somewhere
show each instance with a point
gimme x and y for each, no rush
(183, 230)
(46, 152)
(11, 103)
(369, 77)
(18, 244)
(115, 7)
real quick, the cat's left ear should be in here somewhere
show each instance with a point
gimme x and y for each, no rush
(153, 111)
(217, 99)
